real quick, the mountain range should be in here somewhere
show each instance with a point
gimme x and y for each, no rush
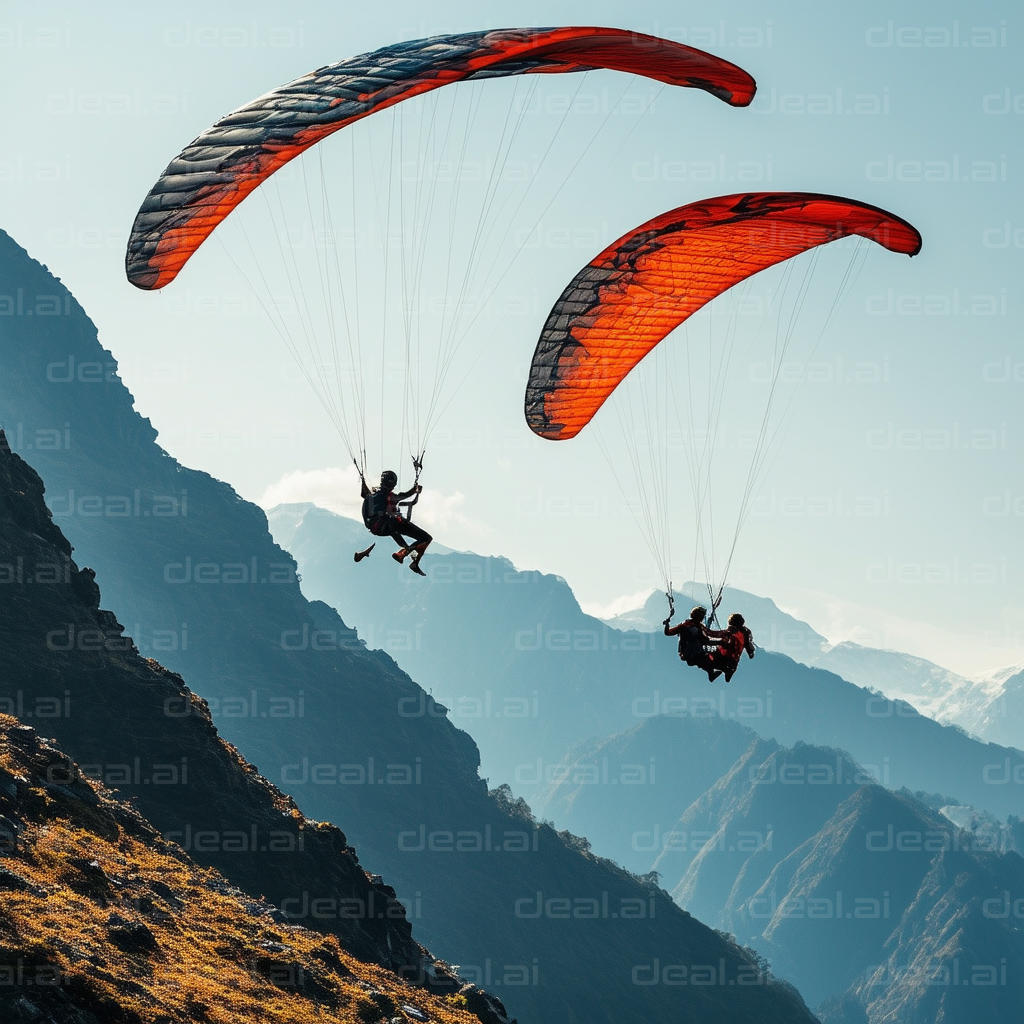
(105, 920)
(529, 675)
(804, 858)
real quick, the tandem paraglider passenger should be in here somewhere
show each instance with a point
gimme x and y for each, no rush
(382, 517)
(735, 639)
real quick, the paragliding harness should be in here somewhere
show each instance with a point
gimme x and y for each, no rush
(376, 516)
(691, 644)
(379, 511)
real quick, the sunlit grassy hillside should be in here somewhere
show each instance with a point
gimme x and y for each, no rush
(101, 919)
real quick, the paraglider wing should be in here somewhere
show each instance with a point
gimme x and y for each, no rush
(636, 292)
(215, 172)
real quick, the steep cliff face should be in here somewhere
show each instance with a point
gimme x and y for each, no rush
(853, 892)
(101, 919)
(762, 809)
(68, 667)
(957, 953)
(839, 868)
(561, 934)
(909, 911)
(626, 792)
(868, 900)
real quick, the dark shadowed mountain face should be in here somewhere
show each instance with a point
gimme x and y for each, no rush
(530, 676)
(626, 792)
(819, 872)
(557, 933)
(890, 899)
(67, 667)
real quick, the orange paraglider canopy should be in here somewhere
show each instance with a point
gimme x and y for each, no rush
(217, 170)
(636, 292)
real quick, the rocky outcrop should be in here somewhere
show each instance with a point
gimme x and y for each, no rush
(68, 667)
(103, 920)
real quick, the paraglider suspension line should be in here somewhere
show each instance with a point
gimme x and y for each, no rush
(715, 602)
(417, 465)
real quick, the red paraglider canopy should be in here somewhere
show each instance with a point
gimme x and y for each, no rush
(636, 292)
(214, 173)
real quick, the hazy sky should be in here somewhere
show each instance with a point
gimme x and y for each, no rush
(893, 505)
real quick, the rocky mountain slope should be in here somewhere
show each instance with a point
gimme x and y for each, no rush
(68, 667)
(894, 900)
(102, 919)
(840, 883)
(843, 884)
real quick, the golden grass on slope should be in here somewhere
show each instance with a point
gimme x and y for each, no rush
(92, 913)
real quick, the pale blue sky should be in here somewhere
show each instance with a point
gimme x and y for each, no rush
(917, 108)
